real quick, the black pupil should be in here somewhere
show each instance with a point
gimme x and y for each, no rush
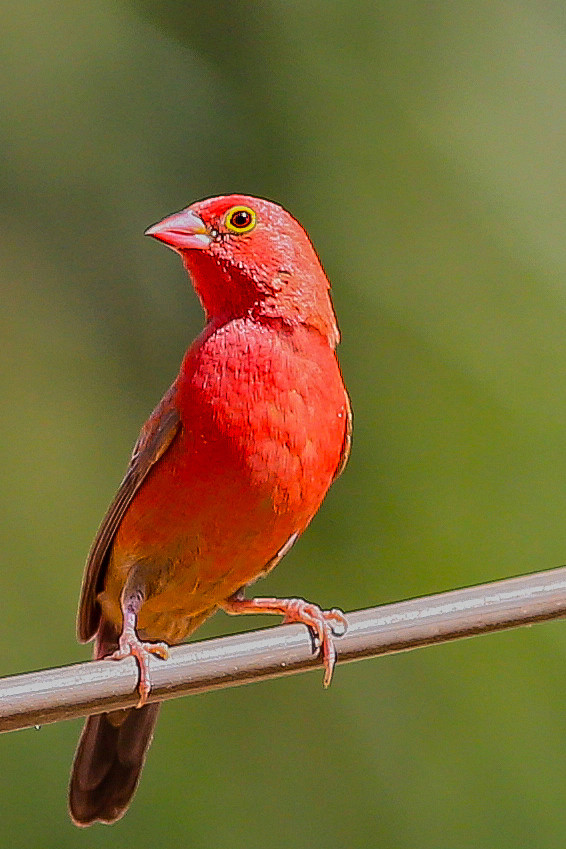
(241, 218)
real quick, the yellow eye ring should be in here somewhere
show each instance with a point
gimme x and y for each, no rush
(240, 219)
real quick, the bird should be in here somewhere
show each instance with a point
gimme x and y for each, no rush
(226, 474)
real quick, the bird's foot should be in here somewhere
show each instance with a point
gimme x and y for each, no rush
(129, 644)
(324, 625)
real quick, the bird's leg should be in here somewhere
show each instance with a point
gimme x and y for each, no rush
(323, 624)
(131, 600)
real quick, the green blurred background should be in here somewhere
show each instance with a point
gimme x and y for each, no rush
(423, 146)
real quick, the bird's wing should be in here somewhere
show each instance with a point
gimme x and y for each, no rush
(347, 443)
(155, 438)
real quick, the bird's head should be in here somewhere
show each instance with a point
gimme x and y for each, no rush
(247, 255)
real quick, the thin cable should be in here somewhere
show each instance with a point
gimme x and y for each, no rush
(67, 692)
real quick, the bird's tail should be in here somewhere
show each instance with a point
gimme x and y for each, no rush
(109, 758)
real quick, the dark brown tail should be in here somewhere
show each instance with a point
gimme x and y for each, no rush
(108, 763)
(110, 755)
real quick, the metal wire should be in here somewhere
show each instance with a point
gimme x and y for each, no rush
(67, 692)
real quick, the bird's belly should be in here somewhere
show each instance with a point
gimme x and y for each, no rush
(212, 533)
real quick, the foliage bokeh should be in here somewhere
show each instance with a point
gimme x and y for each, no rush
(422, 146)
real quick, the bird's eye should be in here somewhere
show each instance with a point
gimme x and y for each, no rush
(240, 219)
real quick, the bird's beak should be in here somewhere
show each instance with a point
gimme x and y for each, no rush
(182, 231)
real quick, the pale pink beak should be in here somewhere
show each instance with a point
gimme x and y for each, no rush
(182, 231)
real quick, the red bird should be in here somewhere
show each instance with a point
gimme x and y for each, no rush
(227, 472)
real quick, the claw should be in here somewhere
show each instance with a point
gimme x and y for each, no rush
(340, 624)
(129, 644)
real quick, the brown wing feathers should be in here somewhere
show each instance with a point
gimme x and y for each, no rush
(155, 438)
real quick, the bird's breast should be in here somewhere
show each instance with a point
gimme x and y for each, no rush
(271, 402)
